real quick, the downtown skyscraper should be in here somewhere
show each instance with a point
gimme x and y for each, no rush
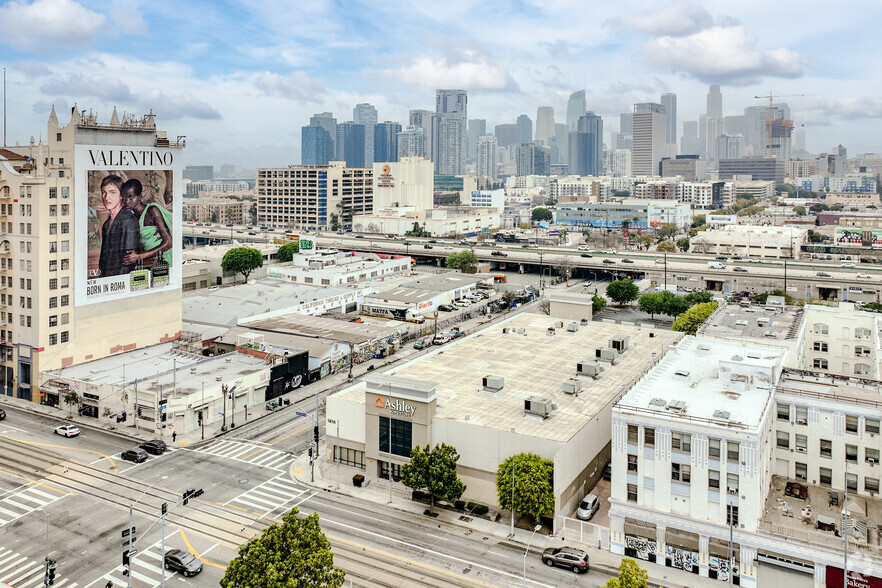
(586, 146)
(366, 114)
(576, 107)
(450, 132)
(650, 134)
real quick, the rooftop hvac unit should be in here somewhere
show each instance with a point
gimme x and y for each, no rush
(193, 370)
(505, 330)
(657, 403)
(572, 386)
(722, 415)
(550, 332)
(584, 322)
(573, 327)
(589, 368)
(559, 324)
(607, 354)
(676, 406)
(539, 406)
(493, 383)
(521, 330)
(619, 343)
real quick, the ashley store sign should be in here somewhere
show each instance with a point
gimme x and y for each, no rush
(395, 406)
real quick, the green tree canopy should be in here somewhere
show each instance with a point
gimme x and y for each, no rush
(667, 246)
(597, 303)
(465, 261)
(242, 260)
(625, 224)
(819, 207)
(542, 214)
(630, 575)
(666, 231)
(694, 298)
(71, 398)
(674, 305)
(622, 291)
(435, 470)
(799, 210)
(872, 307)
(533, 484)
(416, 231)
(286, 252)
(335, 221)
(699, 220)
(651, 303)
(683, 244)
(689, 321)
(295, 554)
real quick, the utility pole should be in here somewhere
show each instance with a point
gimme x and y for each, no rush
(224, 394)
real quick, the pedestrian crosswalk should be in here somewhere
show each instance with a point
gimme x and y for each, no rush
(274, 494)
(252, 453)
(22, 572)
(26, 499)
(146, 568)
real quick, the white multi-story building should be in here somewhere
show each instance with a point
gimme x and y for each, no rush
(617, 162)
(409, 182)
(707, 195)
(486, 198)
(751, 241)
(841, 341)
(487, 162)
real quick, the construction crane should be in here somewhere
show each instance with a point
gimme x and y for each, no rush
(771, 97)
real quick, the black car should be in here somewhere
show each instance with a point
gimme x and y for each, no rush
(607, 471)
(136, 455)
(433, 240)
(177, 560)
(823, 275)
(2, 414)
(499, 253)
(627, 261)
(567, 557)
(608, 261)
(447, 308)
(359, 236)
(156, 446)
(586, 255)
(721, 257)
(739, 269)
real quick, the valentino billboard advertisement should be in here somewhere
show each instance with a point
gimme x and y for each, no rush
(128, 203)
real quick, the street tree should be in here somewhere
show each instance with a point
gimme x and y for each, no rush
(666, 231)
(646, 239)
(667, 247)
(335, 222)
(533, 484)
(630, 575)
(541, 214)
(286, 252)
(433, 469)
(651, 303)
(694, 298)
(597, 303)
(622, 291)
(242, 260)
(675, 305)
(295, 554)
(563, 266)
(799, 210)
(683, 244)
(464, 261)
(689, 321)
(70, 398)
(625, 224)
(699, 220)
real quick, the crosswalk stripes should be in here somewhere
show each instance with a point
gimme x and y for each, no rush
(21, 572)
(273, 494)
(146, 568)
(249, 453)
(22, 502)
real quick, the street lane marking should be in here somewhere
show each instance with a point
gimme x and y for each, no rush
(66, 448)
(199, 557)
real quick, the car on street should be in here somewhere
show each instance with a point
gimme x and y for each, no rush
(446, 308)
(67, 430)
(567, 557)
(608, 261)
(823, 275)
(433, 240)
(422, 343)
(177, 560)
(847, 264)
(156, 446)
(660, 260)
(739, 269)
(586, 255)
(587, 507)
(2, 414)
(627, 261)
(864, 277)
(499, 253)
(610, 251)
(359, 236)
(136, 455)
(584, 248)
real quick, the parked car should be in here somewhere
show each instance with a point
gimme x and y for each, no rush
(446, 308)
(627, 261)
(608, 261)
(156, 446)
(739, 269)
(823, 275)
(136, 455)
(67, 430)
(441, 338)
(2, 414)
(177, 560)
(586, 255)
(499, 253)
(567, 557)
(607, 471)
(462, 302)
(587, 507)
(422, 343)
(864, 277)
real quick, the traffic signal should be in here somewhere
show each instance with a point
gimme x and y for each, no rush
(315, 434)
(310, 453)
(126, 557)
(162, 418)
(139, 412)
(50, 571)
(164, 508)
(199, 418)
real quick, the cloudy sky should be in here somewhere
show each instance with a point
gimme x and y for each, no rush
(239, 78)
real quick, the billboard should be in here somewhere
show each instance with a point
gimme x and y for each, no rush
(128, 210)
(849, 237)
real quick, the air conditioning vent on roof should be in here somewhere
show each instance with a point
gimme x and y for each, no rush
(657, 402)
(550, 332)
(493, 383)
(539, 406)
(722, 414)
(572, 386)
(740, 323)
(193, 370)
(682, 373)
(589, 368)
(676, 406)
(573, 327)
(619, 343)
(607, 354)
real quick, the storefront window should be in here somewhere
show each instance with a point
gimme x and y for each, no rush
(400, 433)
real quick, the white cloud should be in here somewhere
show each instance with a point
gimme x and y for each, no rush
(679, 18)
(428, 74)
(62, 22)
(107, 88)
(293, 86)
(724, 55)
(177, 106)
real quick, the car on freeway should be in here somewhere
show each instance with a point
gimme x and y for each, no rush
(611, 251)
(587, 507)
(567, 557)
(721, 257)
(864, 277)
(156, 446)
(136, 455)
(584, 248)
(499, 253)
(660, 260)
(177, 560)
(823, 275)
(433, 240)
(627, 261)
(739, 269)
(67, 430)
(359, 236)
(587, 255)
(847, 264)
(608, 261)
(446, 307)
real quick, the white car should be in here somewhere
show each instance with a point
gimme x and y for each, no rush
(67, 430)
(659, 260)
(462, 302)
(584, 248)
(864, 277)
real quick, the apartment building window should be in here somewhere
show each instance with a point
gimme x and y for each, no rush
(53, 283)
(65, 318)
(732, 483)
(713, 448)
(633, 430)
(53, 301)
(801, 415)
(65, 192)
(53, 265)
(871, 426)
(28, 284)
(53, 320)
(820, 346)
(61, 173)
(65, 300)
(681, 442)
(65, 282)
(826, 448)
(65, 209)
(783, 412)
(801, 471)
(820, 329)
(58, 137)
(53, 228)
(53, 339)
(862, 369)
(732, 515)
(53, 210)
(53, 193)
(681, 473)
(648, 437)
(862, 333)
(65, 264)
(825, 476)
(861, 351)
(851, 453)
(851, 424)
(713, 479)
(819, 364)
(65, 246)
(65, 336)
(53, 246)
(732, 451)
(871, 455)
(632, 492)
(65, 228)
(851, 482)
(802, 443)
(871, 485)
(632, 463)
(784, 439)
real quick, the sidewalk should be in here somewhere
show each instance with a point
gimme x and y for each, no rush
(337, 478)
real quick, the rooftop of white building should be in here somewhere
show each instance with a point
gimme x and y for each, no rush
(533, 363)
(768, 323)
(709, 381)
(327, 328)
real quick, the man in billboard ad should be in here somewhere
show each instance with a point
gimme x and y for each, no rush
(130, 229)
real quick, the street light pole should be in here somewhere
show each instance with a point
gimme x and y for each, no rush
(845, 531)
(536, 528)
(131, 524)
(202, 409)
(46, 577)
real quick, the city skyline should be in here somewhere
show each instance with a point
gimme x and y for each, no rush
(242, 97)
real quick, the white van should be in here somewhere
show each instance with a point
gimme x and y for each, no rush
(715, 265)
